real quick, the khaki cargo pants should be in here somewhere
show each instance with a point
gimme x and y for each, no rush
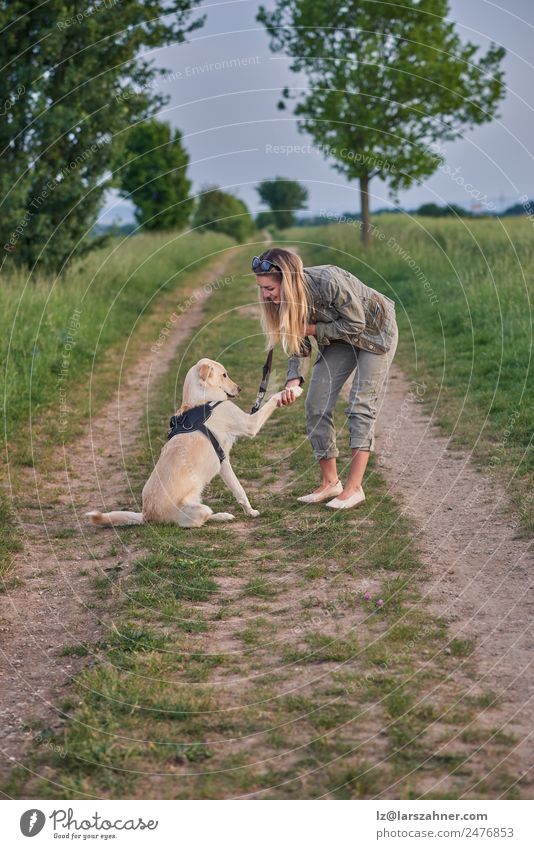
(332, 368)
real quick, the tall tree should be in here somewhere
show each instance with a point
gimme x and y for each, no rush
(154, 176)
(283, 197)
(74, 79)
(386, 81)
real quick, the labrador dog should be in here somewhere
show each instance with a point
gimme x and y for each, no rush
(188, 461)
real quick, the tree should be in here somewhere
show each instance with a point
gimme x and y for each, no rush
(432, 210)
(283, 197)
(386, 82)
(74, 80)
(154, 176)
(264, 219)
(223, 212)
(524, 208)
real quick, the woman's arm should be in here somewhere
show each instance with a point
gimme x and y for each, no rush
(295, 365)
(295, 373)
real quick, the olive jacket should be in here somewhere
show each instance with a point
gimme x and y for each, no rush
(345, 310)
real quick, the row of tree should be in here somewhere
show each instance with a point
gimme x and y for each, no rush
(386, 85)
(218, 210)
(77, 119)
(154, 178)
(75, 79)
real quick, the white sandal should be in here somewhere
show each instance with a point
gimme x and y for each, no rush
(346, 503)
(316, 497)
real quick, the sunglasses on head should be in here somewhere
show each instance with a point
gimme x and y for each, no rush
(262, 266)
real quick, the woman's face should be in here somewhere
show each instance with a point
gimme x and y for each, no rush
(270, 288)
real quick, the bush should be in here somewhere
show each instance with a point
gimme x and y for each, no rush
(223, 212)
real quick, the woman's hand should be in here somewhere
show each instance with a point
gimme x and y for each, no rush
(311, 330)
(287, 396)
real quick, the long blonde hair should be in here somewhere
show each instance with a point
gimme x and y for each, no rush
(285, 322)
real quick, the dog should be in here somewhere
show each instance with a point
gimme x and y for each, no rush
(189, 461)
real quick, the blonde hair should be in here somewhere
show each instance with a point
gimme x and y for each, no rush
(285, 322)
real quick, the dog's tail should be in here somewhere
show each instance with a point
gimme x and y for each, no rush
(116, 517)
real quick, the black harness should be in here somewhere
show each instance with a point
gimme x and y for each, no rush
(194, 419)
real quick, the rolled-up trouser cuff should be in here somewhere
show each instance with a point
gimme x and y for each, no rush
(325, 455)
(367, 445)
(323, 448)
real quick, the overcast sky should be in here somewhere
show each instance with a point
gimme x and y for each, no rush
(228, 115)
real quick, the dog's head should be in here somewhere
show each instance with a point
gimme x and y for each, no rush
(208, 381)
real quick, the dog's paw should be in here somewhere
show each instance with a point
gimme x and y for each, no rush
(253, 514)
(297, 391)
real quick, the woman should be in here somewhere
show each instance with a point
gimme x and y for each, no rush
(356, 329)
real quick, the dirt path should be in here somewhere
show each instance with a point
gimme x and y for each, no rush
(480, 585)
(481, 570)
(53, 607)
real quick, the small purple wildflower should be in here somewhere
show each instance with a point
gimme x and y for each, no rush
(367, 596)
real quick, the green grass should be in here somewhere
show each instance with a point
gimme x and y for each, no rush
(464, 292)
(461, 648)
(248, 650)
(75, 650)
(56, 332)
(10, 543)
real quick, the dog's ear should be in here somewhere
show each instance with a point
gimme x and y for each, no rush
(204, 372)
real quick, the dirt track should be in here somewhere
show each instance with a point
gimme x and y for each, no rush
(49, 610)
(482, 571)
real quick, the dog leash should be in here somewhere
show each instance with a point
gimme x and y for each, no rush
(305, 351)
(264, 382)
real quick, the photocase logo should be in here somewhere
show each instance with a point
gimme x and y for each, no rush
(32, 822)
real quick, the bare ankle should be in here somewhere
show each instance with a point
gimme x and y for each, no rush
(352, 487)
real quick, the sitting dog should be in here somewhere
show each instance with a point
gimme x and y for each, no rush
(188, 461)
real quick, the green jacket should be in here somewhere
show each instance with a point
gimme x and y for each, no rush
(345, 310)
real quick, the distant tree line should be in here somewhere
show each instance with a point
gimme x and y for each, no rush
(430, 210)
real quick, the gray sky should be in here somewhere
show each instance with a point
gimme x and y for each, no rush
(228, 116)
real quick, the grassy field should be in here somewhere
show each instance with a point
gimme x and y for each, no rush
(464, 292)
(55, 332)
(246, 660)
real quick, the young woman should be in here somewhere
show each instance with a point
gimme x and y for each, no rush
(356, 330)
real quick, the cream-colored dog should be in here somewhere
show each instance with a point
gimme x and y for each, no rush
(188, 461)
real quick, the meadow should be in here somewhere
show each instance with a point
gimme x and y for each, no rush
(255, 660)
